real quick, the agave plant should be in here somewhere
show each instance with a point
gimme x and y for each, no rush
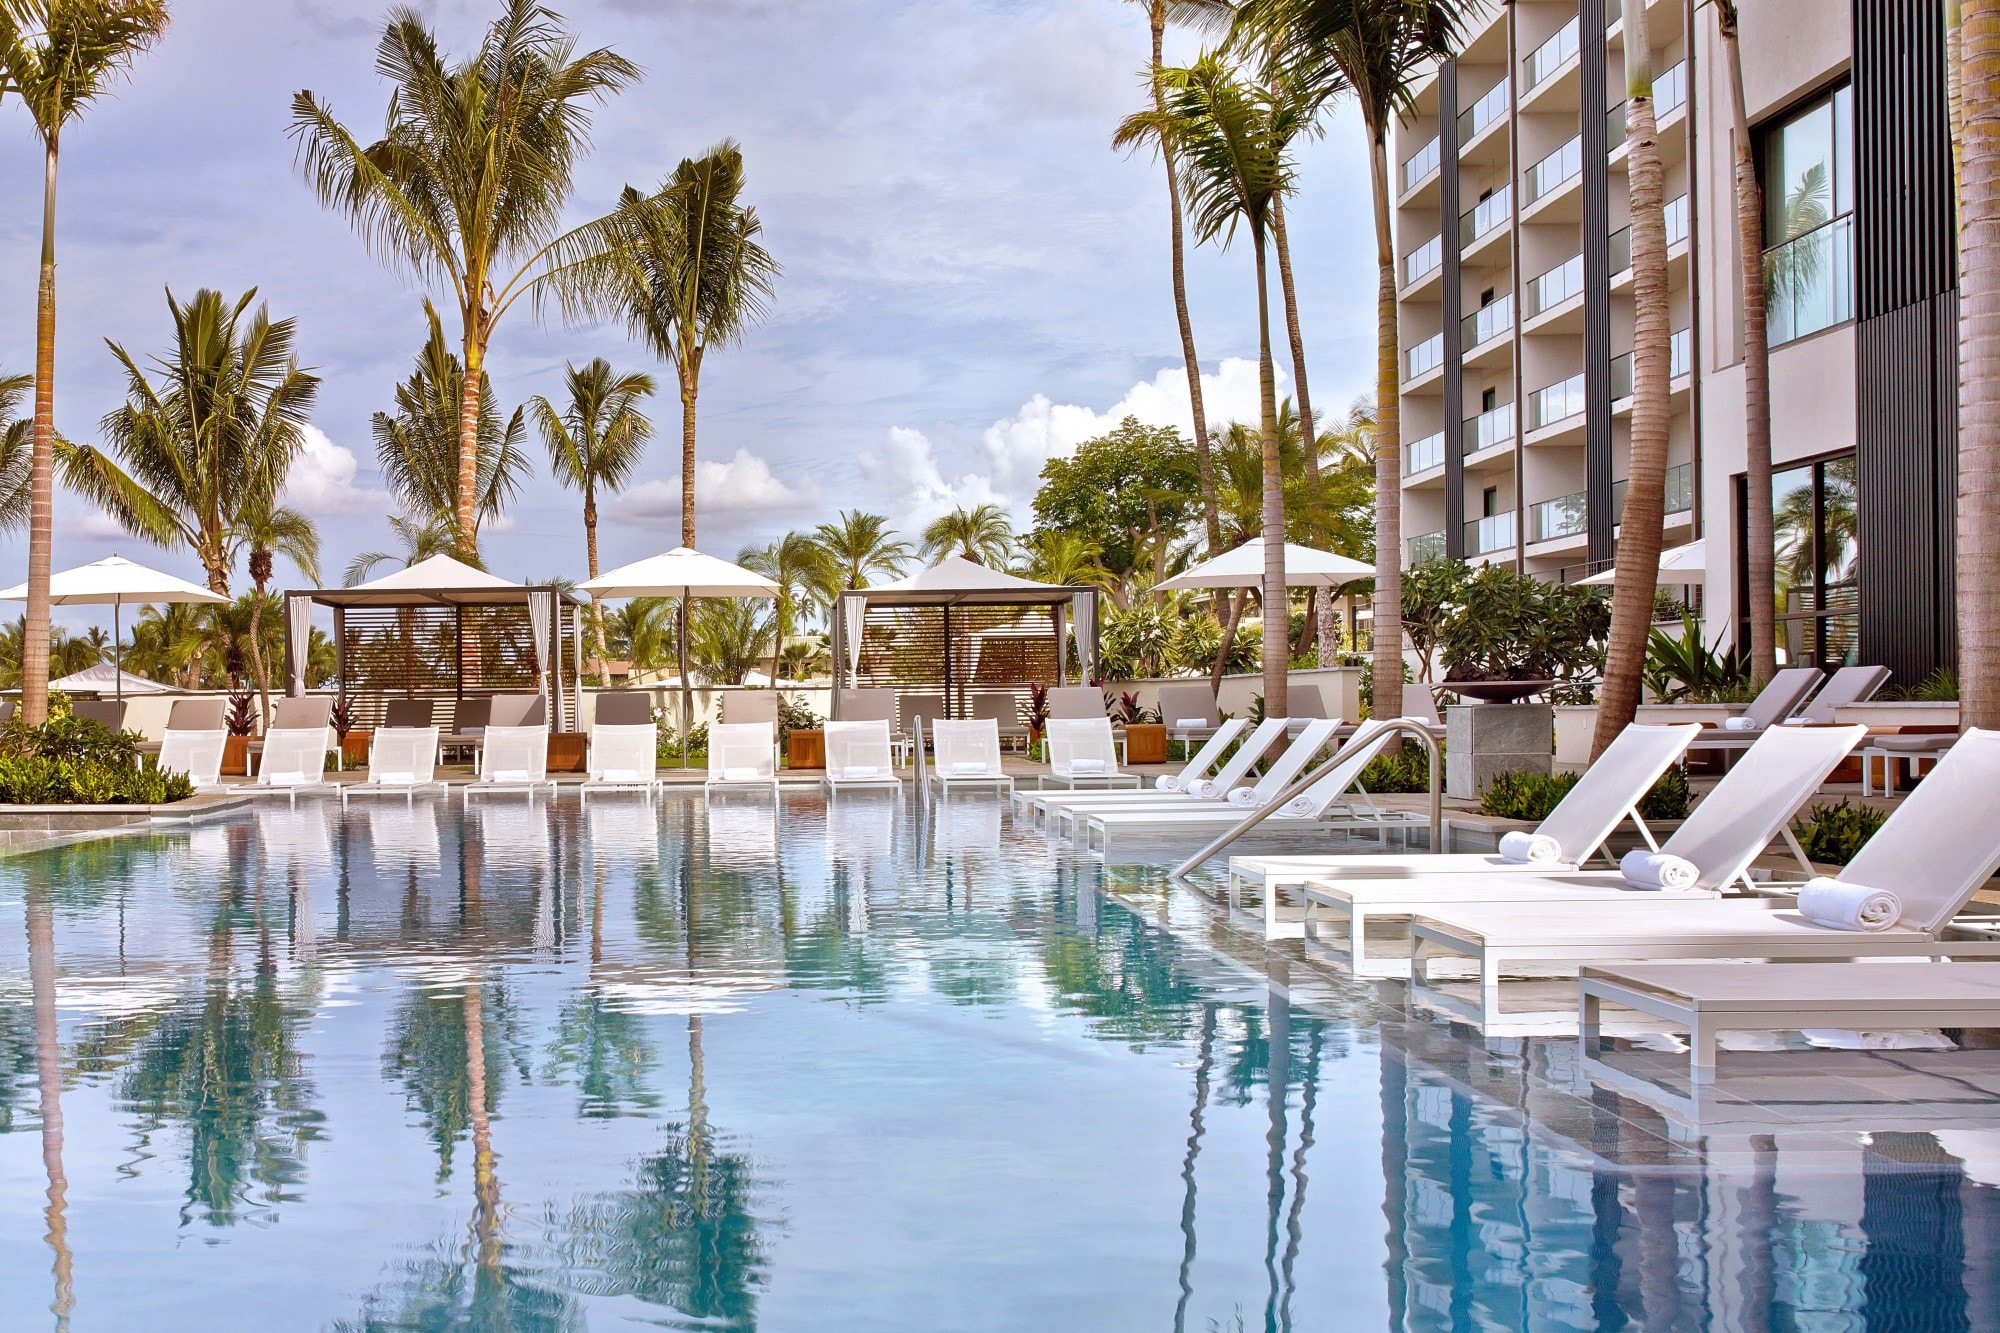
(1685, 669)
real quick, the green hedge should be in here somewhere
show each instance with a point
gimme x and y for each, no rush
(71, 760)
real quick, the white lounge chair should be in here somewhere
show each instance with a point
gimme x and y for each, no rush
(1751, 807)
(875, 705)
(512, 759)
(1188, 711)
(624, 756)
(1779, 699)
(1057, 809)
(1083, 752)
(293, 760)
(1605, 796)
(1940, 847)
(967, 754)
(1039, 804)
(401, 762)
(859, 754)
(742, 754)
(195, 753)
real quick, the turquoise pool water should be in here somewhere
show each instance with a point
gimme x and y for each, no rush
(873, 1067)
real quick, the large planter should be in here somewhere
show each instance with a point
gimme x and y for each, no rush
(567, 751)
(236, 756)
(805, 749)
(354, 747)
(1146, 743)
(1482, 740)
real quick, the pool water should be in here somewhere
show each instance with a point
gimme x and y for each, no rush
(870, 1066)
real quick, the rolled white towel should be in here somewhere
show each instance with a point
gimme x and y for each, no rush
(969, 770)
(285, 779)
(1657, 870)
(1739, 724)
(1298, 806)
(1247, 797)
(509, 775)
(1086, 765)
(860, 771)
(1190, 723)
(1530, 849)
(397, 779)
(1838, 905)
(1167, 782)
(728, 775)
(1204, 789)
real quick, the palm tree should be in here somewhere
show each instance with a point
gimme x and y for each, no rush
(1067, 558)
(698, 277)
(797, 564)
(1978, 78)
(213, 440)
(265, 530)
(1232, 138)
(169, 642)
(17, 452)
(58, 57)
(1374, 49)
(468, 183)
(1636, 572)
(596, 441)
(726, 638)
(859, 547)
(642, 630)
(981, 534)
(420, 541)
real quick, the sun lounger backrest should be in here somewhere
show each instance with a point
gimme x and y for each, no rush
(471, 716)
(1073, 739)
(1000, 708)
(403, 755)
(305, 712)
(868, 706)
(1609, 788)
(1303, 700)
(195, 753)
(1421, 704)
(1268, 733)
(196, 715)
(1285, 769)
(1757, 798)
(1942, 842)
(1849, 685)
(1076, 701)
(293, 757)
(6, 710)
(106, 713)
(624, 752)
(519, 710)
(1369, 739)
(966, 743)
(515, 754)
(1782, 697)
(407, 713)
(742, 751)
(623, 708)
(1187, 703)
(1211, 750)
(852, 744)
(750, 706)
(925, 707)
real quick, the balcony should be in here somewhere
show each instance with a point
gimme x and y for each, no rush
(1677, 231)
(1423, 261)
(1491, 213)
(1670, 93)
(1551, 55)
(1554, 171)
(1421, 164)
(1810, 281)
(1614, 12)
(1680, 355)
(1551, 289)
(1557, 402)
(1425, 357)
(1489, 108)
(1552, 520)
(1423, 455)
(1426, 548)
(1487, 323)
(1495, 532)
(1487, 429)
(1680, 492)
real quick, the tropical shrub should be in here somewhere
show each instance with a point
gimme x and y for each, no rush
(1833, 833)
(70, 760)
(1668, 799)
(1526, 796)
(1129, 712)
(1941, 686)
(1687, 670)
(1510, 626)
(794, 715)
(1408, 773)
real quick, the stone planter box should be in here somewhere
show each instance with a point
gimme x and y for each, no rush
(1484, 739)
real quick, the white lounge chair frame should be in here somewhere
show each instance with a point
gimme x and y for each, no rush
(1781, 697)
(970, 745)
(860, 754)
(293, 759)
(625, 756)
(742, 754)
(1087, 740)
(401, 761)
(195, 753)
(512, 759)
(1057, 811)
(1041, 805)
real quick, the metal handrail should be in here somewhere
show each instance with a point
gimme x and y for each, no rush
(1406, 725)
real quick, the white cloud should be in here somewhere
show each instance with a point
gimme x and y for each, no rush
(743, 485)
(322, 480)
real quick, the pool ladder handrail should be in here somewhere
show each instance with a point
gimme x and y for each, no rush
(1407, 725)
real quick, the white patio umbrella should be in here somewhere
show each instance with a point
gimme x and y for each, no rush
(681, 573)
(1682, 564)
(1305, 567)
(120, 582)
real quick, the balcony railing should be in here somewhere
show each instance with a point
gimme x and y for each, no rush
(1613, 11)
(1492, 533)
(1421, 163)
(1557, 402)
(1810, 281)
(1670, 93)
(1487, 322)
(1487, 429)
(1555, 170)
(1425, 357)
(1482, 113)
(1551, 289)
(1564, 516)
(1553, 54)
(1680, 350)
(1423, 261)
(1680, 492)
(1423, 455)
(1677, 231)
(1491, 212)
(1426, 548)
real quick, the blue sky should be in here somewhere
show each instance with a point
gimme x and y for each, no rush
(973, 280)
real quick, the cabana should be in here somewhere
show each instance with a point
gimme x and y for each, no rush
(444, 631)
(961, 631)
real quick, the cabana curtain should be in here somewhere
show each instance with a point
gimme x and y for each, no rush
(855, 609)
(298, 639)
(1083, 624)
(541, 612)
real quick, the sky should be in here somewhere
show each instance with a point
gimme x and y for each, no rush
(973, 280)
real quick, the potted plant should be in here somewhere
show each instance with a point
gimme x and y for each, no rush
(1511, 635)
(1038, 712)
(239, 722)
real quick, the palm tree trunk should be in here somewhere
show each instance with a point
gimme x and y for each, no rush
(485, 1183)
(42, 466)
(1979, 367)
(1636, 573)
(257, 664)
(1211, 521)
(48, 1071)
(1388, 624)
(465, 512)
(688, 392)
(1231, 618)
(1760, 560)
(596, 611)
(1277, 633)
(1299, 391)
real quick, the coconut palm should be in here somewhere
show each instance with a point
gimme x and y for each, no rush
(595, 442)
(17, 452)
(264, 530)
(420, 541)
(859, 548)
(797, 564)
(1067, 558)
(697, 279)
(1978, 545)
(1376, 50)
(1636, 571)
(58, 57)
(981, 534)
(212, 440)
(1232, 137)
(468, 184)
(726, 638)
(643, 631)
(169, 642)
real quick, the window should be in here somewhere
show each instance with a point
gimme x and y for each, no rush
(1816, 550)
(1489, 399)
(1489, 501)
(1807, 163)
(1486, 298)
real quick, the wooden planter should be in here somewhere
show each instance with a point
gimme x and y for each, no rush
(1146, 743)
(566, 751)
(805, 749)
(354, 747)
(236, 756)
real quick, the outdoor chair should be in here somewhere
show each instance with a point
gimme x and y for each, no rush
(7, 707)
(1188, 711)
(192, 715)
(292, 759)
(1420, 705)
(1778, 700)
(1076, 701)
(469, 719)
(401, 762)
(858, 755)
(1083, 752)
(404, 713)
(742, 754)
(623, 756)
(874, 706)
(1004, 712)
(623, 708)
(519, 710)
(919, 712)
(967, 754)
(513, 758)
(1907, 748)
(1060, 810)
(195, 753)
(297, 722)
(749, 707)
(106, 713)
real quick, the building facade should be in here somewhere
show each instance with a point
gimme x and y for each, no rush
(1516, 314)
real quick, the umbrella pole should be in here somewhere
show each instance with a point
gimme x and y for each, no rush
(117, 653)
(687, 694)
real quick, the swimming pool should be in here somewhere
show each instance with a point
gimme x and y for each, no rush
(860, 1066)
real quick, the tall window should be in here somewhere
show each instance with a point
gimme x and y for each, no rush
(1816, 545)
(1807, 161)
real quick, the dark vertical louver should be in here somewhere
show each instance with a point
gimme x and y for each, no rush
(1598, 517)
(1451, 299)
(1906, 336)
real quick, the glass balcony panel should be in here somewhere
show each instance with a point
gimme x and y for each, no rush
(1492, 533)
(1557, 402)
(1551, 289)
(1564, 516)
(1425, 357)
(1482, 113)
(1423, 455)
(1680, 355)
(1488, 322)
(1679, 489)
(1488, 429)
(1426, 548)
(1670, 92)
(1553, 54)
(1491, 212)
(1677, 231)
(1810, 281)
(1613, 12)
(1549, 174)
(1423, 261)
(1421, 164)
